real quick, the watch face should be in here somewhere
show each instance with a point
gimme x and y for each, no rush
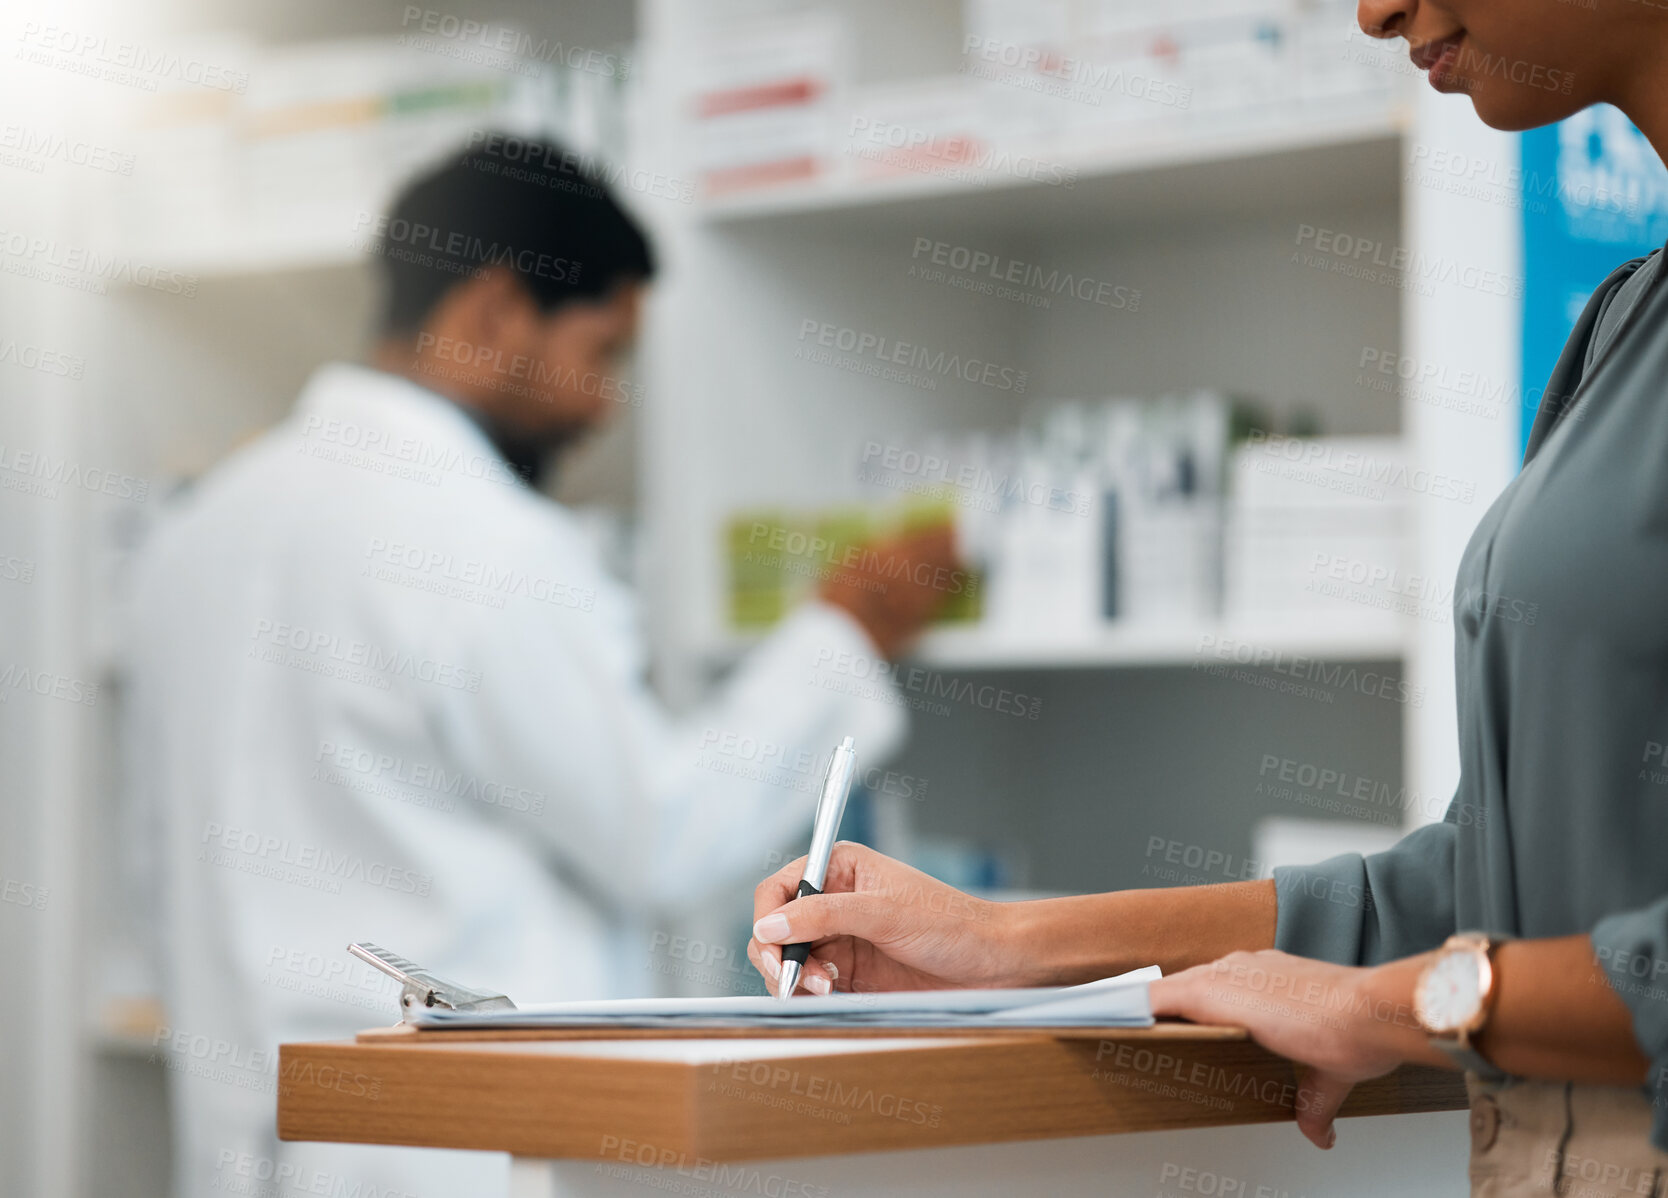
(1450, 993)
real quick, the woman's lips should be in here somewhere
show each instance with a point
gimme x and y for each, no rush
(1437, 59)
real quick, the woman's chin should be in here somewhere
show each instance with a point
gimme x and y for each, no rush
(1510, 111)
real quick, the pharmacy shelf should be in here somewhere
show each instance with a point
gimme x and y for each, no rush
(1149, 645)
(1169, 645)
(1229, 163)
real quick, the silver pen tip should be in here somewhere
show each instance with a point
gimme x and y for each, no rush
(789, 979)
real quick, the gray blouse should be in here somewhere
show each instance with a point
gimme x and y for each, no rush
(1560, 822)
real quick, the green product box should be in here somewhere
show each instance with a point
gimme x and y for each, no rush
(778, 558)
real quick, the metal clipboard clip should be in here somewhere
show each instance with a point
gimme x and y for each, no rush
(421, 990)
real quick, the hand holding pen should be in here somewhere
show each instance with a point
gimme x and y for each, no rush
(881, 925)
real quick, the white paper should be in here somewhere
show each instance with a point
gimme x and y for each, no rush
(1111, 1002)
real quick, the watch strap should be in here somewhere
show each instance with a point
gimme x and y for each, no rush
(1469, 1059)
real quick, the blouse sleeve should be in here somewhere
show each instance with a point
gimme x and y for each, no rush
(1356, 910)
(1632, 949)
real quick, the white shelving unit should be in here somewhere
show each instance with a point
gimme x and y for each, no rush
(1204, 216)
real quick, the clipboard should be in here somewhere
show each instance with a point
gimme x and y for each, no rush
(433, 1006)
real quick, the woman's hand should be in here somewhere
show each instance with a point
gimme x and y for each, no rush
(880, 925)
(1340, 1023)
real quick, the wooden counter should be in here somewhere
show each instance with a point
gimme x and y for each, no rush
(651, 1097)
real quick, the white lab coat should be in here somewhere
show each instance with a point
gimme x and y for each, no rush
(381, 690)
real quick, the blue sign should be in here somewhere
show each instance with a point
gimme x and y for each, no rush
(1594, 195)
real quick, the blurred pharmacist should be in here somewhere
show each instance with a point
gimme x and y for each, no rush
(384, 689)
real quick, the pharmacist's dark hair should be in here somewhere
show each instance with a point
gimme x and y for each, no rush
(530, 205)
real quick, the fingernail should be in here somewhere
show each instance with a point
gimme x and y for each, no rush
(772, 929)
(1331, 1136)
(817, 984)
(770, 965)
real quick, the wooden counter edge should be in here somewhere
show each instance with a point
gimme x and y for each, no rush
(462, 1094)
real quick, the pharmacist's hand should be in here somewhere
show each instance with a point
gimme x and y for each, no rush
(897, 585)
(1341, 1024)
(881, 926)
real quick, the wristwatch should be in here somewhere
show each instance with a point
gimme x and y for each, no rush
(1454, 997)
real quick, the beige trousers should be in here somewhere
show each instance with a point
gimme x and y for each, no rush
(1558, 1138)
